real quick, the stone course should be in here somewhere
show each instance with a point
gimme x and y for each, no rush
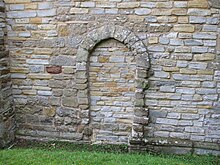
(145, 73)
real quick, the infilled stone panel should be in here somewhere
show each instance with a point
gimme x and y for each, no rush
(112, 91)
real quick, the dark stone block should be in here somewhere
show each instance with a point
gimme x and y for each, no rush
(54, 69)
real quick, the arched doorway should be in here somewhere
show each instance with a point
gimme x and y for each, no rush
(139, 51)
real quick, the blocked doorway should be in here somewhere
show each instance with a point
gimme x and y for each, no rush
(112, 91)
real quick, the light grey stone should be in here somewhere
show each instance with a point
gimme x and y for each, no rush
(197, 49)
(193, 42)
(18, 76)
(63, 61)
(206, 91)
(180, 4)
(176, 42)
(87, 4)
(111, 11)
(182, 64)
(36, 68)
(196, 19)
(190, 116)
(210, 28)
(142, 11)
(210, 43)
(185, 90)
(199, 12)
(156, 48)
(207, 35)
(21, 14)
(166, 121)
(45, 5)
(198, 65)
(117, 59)
(167, 89)
(213, 20)
(161, 74)
(164, 40)
(180, 135)
(37, 61)
(173, 115)
(44, 93)
(17, 7)
(151, 19)
(46, 13)
(97, 11)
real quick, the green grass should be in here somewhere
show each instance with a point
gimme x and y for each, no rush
(81, 154)
(43, 157)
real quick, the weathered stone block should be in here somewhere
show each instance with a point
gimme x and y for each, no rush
(63, 61)
(70, 101)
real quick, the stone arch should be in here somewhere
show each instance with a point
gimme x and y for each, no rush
(137, 47)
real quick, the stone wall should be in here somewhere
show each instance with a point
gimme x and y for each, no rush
(176, 71)
(7, 122)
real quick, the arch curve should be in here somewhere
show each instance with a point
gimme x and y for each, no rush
(138, 48)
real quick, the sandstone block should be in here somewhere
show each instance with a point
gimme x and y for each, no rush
(161, 12)
(184, 28)
(127, 5)
(49, 111)
(198, 3)
(78, 11)
(39, 76)
(17, 1)
(204, 57)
